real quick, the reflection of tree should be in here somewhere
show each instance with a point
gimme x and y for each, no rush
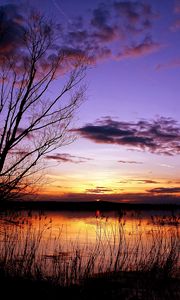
(36, 112)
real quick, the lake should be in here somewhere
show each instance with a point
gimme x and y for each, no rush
(77, 243)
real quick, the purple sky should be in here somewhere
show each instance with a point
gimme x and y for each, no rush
(128, 129)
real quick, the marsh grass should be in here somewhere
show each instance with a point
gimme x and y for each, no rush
(29, 249)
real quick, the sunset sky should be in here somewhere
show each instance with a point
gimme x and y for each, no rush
(128, 128)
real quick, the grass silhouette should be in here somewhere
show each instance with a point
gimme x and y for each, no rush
(116, 265)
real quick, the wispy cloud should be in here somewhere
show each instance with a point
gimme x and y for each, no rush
(139, 181)
(67, 158)
(165, 190)
(129, 162)
(145, 47)
(99, 190)
(174, 63)
(160, 136)
(21, 130)
(166, 166)
(145, 181)
(19, 152)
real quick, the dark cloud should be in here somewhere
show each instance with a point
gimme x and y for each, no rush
(92, 43)
(107, 34)
(135, 13)
(13, 26)
(99, 190)
(136, 17)
(11, 29)
(67, 158)
(139, 181)
(129, 162)
(125, 24)
(145, 181)
(160, 136)
(128, 10)
(101, 16)
(165, 190)
(104, 31)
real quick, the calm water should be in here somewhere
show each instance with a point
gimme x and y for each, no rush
(84, 228)
(100, 240)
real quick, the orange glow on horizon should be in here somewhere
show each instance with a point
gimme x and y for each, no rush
(100, 188)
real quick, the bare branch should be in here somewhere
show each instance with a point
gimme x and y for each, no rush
(35, 121)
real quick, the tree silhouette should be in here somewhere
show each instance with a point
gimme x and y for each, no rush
(40, 89)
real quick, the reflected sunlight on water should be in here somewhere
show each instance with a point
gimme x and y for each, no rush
(82, 228)
(86, 242)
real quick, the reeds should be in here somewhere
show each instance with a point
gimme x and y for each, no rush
(30, 250)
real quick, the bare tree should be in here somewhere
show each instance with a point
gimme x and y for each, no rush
(40, 89)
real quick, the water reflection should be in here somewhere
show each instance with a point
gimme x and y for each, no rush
(83, 227)
(79, 243)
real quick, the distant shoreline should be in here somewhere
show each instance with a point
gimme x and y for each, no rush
(84, 206)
